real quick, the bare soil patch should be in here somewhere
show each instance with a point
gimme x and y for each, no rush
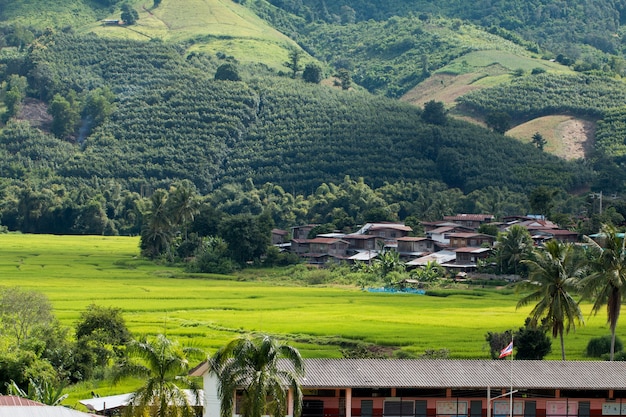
(36, 113)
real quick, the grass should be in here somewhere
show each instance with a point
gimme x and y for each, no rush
(198, 310)
(209, 26)
(74, 271)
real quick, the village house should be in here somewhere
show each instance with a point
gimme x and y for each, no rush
(473, 221)
(302, 232)
(279, 236)
(467, 257)
(451, 388)
(386, 230)
(541, 236)
(358, 242)
(415, 246)
(442, 234)
(460, 240)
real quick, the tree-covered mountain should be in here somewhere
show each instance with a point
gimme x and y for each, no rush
(88, 109)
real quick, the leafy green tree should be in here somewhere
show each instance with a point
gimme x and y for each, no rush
(212, 257)
(344, 78)
(554, 272)
(512, 248)
(606, 282)
(227, 72)
(102, 330)
(294, 62)
(247, 236)
(541, 200)
(434, 113)
(539, 141)
(99, 105)
(532, 342)
(601, 346)
(23, 312)
(312, 73)
(64, 114)
(14, 94)
(497, 341)
(129, 15)
(498, 121)
(251, 364)
(163, 365)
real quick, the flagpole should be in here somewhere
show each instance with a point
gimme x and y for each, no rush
(511, 392)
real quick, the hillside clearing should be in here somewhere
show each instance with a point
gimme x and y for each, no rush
(568, 137)
(214, 25)
(476, 70)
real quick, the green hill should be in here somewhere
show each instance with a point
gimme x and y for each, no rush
(138, 104)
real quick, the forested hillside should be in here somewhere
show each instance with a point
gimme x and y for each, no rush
(106, 121)
(559, 26)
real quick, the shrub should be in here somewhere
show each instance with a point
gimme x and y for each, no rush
(599, 346)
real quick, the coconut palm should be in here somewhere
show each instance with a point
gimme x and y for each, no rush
(252, 365)
(162, 364)
(157, 231)
(554, 271)
(606, 283)
(514, 246)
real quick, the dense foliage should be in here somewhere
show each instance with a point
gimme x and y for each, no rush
(566, 26)
(147, 116)
(532, 96)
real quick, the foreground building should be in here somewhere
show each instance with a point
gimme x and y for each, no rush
(452, 388)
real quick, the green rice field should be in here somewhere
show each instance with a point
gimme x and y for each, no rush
(206, 311)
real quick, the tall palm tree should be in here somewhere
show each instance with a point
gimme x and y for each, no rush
(163, 365)
(252, 365)
(514, 246)
(157, 232)
(606, 283)
(554, 271)
(183, 203)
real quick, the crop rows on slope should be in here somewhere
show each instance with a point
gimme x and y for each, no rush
(174, 121)
(300, 143)
(611, 133)
(538, 95)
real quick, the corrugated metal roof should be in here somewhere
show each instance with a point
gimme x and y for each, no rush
(14, 400)
(44, 411)
(425, 373)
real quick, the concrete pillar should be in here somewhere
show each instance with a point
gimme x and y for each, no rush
(348, 402)
(212, 403)
(289, 402)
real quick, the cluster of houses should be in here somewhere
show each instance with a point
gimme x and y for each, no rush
(454, 242)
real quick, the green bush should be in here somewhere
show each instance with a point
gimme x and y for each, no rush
(599, 346)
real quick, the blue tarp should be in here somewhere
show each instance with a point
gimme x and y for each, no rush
(397, 291)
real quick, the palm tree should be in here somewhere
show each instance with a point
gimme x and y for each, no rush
(164, 367)
(252, 365)
(157, 233)
(606, 282)
(553, 272)
(514, 246)
(183, 203)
